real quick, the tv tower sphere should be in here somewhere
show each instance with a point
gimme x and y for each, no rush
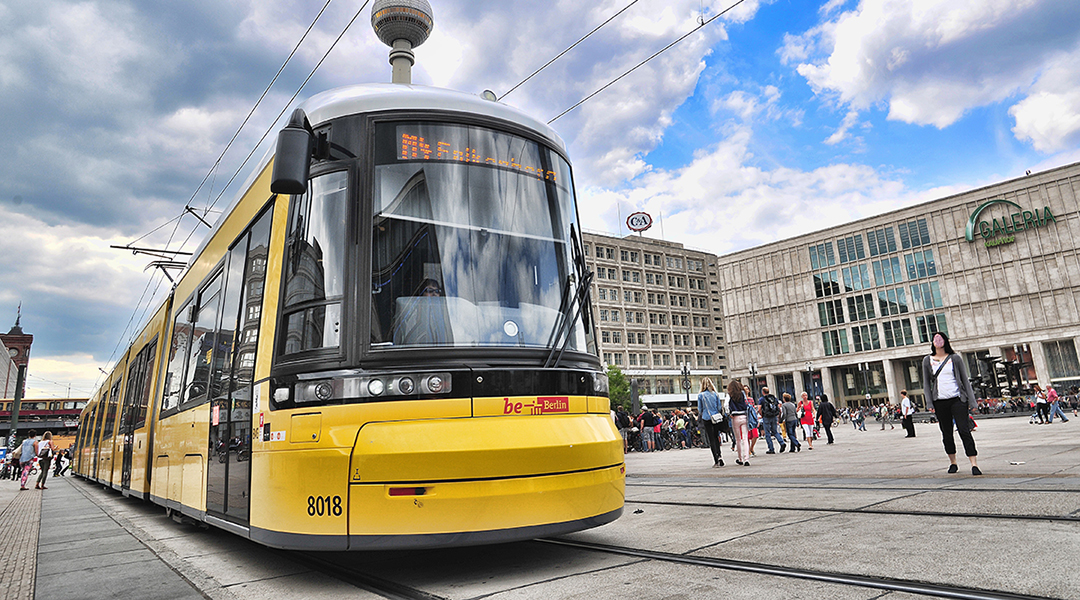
(409, 20)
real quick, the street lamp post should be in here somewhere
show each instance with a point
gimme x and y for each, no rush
(810, 377)
(753, 378)
(686, 382)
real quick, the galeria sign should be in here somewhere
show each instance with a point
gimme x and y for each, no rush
(1002, 230)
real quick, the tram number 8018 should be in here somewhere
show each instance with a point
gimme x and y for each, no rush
(324, 506)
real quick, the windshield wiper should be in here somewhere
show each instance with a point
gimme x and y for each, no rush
(574, 305)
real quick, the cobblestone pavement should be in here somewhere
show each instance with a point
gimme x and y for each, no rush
(20, 523)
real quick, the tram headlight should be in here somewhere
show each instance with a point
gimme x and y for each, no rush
(600, 384)
(324, 391)
(376, 387)
(406, 385)
(435, 384)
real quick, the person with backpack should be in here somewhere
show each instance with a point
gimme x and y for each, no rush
(45, 453)
(770, 417)
(622, 421)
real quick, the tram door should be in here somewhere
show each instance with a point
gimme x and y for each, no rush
(228, 470)
(127, 420)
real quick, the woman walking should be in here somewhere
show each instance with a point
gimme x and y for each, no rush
(45, 453)
(947, 388)
(737, 404)
(708, 405)
(826, 415)
(806, 419)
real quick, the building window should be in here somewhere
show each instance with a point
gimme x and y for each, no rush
(605, 337)
(648, 259)
(603, 315)
(881, 241)
(601, 274)
(624, 255)
(929, 325)
(655, 337)
(925, 296)
(861, 308)
(835, 342)
(897, 333)
(616, 337)
(856, 278)
(888, 271)
(586, 250)
(611, 274)
(602, 293)
(633, 256)
(637, 297)
(609, 253)
(639, 318)
(850, 249)
(826, 283)
(914, 234)
(633, 360)
(892, 302)
(822, 256)
(831, 312)
(1061, 359)
(865, 337)
(599, 252)
(920, 264)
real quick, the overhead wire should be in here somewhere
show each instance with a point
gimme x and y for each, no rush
(289, 103)
(572, 46)
(218, 161)
(701, 25)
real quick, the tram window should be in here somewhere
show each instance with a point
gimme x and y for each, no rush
(149, 355)
(178, 352)
(110, 415)
(203, 345)
(315, 265)
(484, 215)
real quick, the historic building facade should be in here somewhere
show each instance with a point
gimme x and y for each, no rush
(656, 307)
(850, 310)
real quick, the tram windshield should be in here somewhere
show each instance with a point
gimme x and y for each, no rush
(471, 239)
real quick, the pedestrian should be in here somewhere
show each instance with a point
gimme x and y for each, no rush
(789, 415)
(908, 411)
(58, 462)
(887, 416)
(1055, 404)
(67, 461)
(737, 407)
(712, 415)
(1042, 407)
(622, 421)
(26, 459)
(45, 454)
(753, 421)
(770, 416)
(826, 415)
(948, 390)
(806, 419)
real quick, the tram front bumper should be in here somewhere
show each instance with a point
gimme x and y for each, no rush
(483, 480)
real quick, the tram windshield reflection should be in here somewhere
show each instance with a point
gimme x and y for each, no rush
(471, 238)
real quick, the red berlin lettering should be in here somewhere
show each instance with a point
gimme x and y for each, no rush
(542, 406)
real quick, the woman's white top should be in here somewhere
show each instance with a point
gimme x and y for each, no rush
(946, 379)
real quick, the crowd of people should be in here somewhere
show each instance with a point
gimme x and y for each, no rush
(37, 454)
(742, 419)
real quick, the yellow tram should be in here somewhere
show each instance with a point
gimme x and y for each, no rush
(394, 351)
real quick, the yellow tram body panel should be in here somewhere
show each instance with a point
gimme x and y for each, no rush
(348, 476)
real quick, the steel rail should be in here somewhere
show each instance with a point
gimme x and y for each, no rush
(897, 585)
(872, 511)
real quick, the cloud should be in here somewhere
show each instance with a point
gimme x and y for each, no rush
(841, 133)
(930, 62)
(724, 202)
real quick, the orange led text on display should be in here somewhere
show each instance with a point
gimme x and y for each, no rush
(414, 147)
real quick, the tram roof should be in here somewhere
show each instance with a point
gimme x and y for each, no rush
(372, 97)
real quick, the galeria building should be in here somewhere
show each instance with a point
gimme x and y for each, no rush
(850, 310)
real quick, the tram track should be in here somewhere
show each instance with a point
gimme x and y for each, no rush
(865, 510)
(880, 583)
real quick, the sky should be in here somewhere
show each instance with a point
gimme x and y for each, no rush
(776, 119)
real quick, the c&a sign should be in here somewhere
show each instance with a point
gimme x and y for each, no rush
(1003, 229)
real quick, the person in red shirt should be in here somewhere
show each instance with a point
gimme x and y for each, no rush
(806, 418)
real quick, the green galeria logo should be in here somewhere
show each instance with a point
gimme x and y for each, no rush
(1003, 230)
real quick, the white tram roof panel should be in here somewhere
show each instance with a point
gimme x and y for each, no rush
(365, 98)
(371, 97)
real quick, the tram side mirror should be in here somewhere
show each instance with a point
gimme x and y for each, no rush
(292, 162)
